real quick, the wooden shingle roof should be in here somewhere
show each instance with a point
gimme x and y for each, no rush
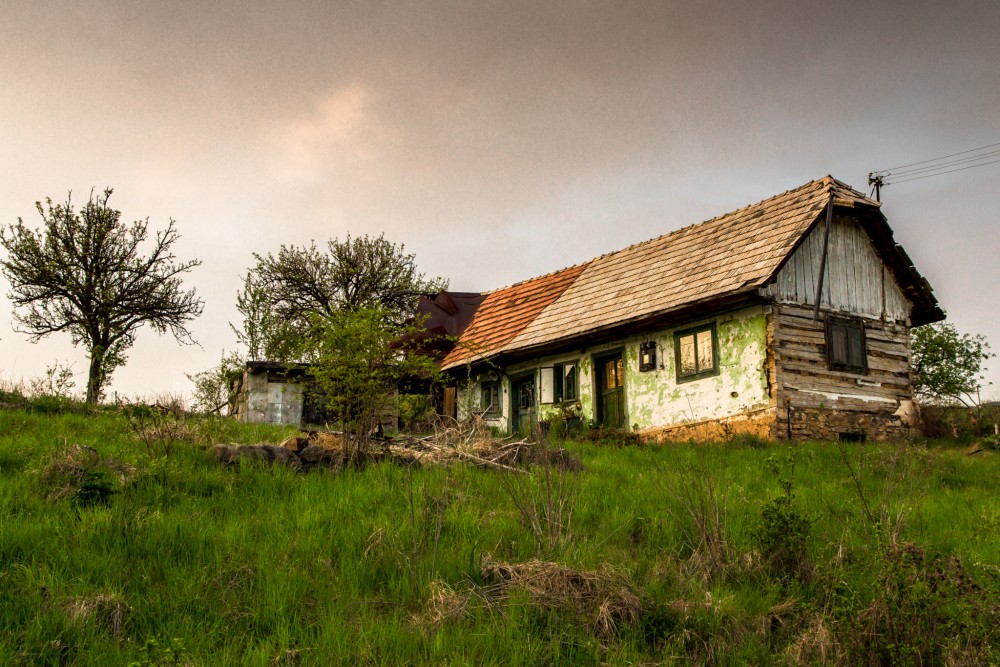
(732, 253)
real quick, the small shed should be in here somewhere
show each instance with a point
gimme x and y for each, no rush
(274, 393)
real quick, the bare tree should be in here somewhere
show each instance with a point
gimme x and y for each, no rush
(85, 273)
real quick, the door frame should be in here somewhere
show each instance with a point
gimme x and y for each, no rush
(515, 411)
(597, 361)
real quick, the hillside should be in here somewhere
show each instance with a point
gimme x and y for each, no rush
(124, 542)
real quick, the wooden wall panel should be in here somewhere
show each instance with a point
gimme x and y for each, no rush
(855, 280)
(816, 402)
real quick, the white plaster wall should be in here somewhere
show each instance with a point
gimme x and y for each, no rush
(655, 399)
(470, 397)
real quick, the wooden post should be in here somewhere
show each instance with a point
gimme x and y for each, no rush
(822, 259)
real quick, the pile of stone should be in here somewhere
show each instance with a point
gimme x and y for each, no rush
(326, 449)
(310, 451)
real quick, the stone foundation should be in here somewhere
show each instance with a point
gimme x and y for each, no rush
(816, 424)
(760, 424)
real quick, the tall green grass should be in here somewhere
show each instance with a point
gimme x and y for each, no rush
(187, 562)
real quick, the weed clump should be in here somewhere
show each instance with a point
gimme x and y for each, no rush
(782, 532)
(926, 610)
(107, 611)
(80, 473)
(603, 600)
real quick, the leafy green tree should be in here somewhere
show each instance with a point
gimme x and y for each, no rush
(948, 365)
(85, 272)
(358, 366)
(258, 331)
(283, 293)
(213, 387)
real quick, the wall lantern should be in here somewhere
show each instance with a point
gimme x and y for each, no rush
(647, 356)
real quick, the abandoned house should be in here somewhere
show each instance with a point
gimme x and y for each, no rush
(787, 319)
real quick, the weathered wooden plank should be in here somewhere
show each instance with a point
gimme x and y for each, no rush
(897, 347)
(801, 399)
(842, 378)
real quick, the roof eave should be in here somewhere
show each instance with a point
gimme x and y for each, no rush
(682, 314)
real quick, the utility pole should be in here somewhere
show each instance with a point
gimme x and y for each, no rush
(875, 179)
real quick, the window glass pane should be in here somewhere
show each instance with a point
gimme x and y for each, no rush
(569, 382)
(525, 398)
(620, 371)
(706, 354)
(838, 344)
(688, 363)
(491, 397)
(855, 347)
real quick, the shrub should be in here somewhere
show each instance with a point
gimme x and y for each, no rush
(926, 611)
(782, 532)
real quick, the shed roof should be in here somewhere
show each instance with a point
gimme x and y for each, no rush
(725, 256)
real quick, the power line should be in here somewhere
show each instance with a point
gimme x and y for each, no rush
(941, 165)
(934, 167)
(971, 150)
(917, 178)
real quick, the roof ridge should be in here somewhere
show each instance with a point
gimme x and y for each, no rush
(829, 181)
(534, 278)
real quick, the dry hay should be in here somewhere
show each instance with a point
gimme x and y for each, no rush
(474, 442)
(813, 646)
(325, 439)
(108, 611)
(445, 605)
(603, 597)
(67, 466)
(470, 442)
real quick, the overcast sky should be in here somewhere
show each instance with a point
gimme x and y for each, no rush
(497, 141)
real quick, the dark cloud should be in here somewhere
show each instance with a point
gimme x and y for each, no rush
(497, 140)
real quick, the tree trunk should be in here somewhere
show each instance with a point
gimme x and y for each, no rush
(94, 375)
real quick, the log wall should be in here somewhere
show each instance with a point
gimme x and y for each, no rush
(816, 402)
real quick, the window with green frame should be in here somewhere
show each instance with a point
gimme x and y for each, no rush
(560, 382)
(696, 352)
(490, 404)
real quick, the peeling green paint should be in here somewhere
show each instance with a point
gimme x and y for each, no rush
(655, 398)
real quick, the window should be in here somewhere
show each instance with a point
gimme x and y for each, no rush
(560, 383)
(845, 345)
(491, 399)
(696, 353)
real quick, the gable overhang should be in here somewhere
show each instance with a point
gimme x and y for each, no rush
(924, 307)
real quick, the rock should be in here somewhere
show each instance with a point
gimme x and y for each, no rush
(294, 443)
(278, 454)
(315, 455)
(224, 453)
(229, 455)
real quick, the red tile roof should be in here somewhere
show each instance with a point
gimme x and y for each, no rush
(506, 312)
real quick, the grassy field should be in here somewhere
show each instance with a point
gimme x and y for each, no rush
(120, 547)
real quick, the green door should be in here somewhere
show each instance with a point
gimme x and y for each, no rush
(610, 372)
(522, 409)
